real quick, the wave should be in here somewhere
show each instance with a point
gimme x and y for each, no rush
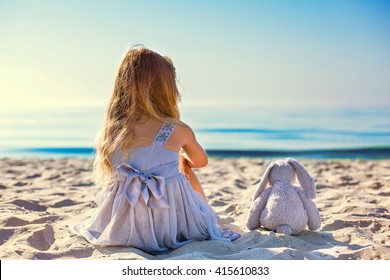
(294, 131)
(351, 153)
(364, 153)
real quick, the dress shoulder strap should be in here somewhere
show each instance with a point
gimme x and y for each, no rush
(165, 132)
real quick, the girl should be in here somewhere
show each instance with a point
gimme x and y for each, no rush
(151, 199)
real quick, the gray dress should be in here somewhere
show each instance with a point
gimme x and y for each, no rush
(151, 205)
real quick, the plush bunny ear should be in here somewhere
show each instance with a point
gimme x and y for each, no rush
(304, 178)
(263, 182)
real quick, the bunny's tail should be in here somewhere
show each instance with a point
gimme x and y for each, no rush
(286, 229)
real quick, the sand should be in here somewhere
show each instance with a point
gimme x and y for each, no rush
(40, 199)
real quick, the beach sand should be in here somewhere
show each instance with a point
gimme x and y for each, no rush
(40, 199)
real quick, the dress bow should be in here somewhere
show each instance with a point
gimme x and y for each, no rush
(150, 186)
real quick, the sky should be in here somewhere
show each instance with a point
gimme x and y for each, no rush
(262, 53)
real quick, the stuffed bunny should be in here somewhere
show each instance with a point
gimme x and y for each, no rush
(283, 207)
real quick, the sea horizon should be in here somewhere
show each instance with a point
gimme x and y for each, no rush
(369, 153)
(224, 131)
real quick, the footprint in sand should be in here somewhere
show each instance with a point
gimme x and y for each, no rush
(348, 181)
(377, 227)
(59, 194)
(32, 176)
(32, 205)
(15, 222)
(72, 253)
(240, 184)
(217, 203)
(376, 185)
(64, 203)
(44, 220)
(226, 190)
(20, 184)
(373, 225)
(335, 225)
(51, 176)
(384, 194)
(323, 186)
(230, 208)
(5, 234)
(83, 184)
(42, 239)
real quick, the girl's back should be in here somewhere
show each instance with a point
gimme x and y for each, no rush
(151, 205)
(156, 143)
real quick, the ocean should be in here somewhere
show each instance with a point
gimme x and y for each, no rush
(226, 131)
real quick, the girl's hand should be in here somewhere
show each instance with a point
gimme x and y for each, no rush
(183, 165)
(186, 170)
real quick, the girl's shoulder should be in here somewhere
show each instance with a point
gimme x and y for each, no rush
(183, 128)
(182, 125)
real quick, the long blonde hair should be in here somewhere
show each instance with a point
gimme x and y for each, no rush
(145, 86)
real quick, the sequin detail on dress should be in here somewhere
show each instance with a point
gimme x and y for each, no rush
(164, 133)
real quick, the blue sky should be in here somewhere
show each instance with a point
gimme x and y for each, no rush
(264, 53)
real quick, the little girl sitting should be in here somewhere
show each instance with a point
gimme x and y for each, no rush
(150, 199)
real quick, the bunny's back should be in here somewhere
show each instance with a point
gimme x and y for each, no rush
(284, 206)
